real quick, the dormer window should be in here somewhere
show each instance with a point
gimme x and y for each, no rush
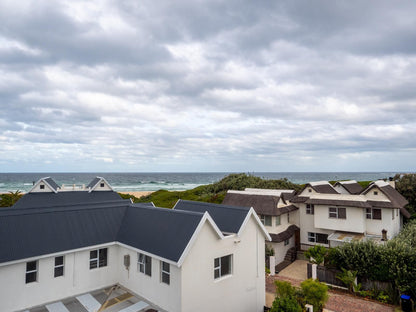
(102, 184)
(42, 186)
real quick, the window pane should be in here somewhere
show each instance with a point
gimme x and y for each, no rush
(31, 277)
(59, 271)
(342, 213)
(165, 267)
(368, 213)
(93, 254)
(93, 264)
(59, 260)
(103, 257)
(322, 238)
(217, 262)
(268, 221)
(217, 273)
(277, 220)
(148, 266)
(225, 265)
(377, 214)
(31, 266)
(165, 278)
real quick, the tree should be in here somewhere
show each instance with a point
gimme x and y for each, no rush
(314, 293)
(406, 186)
(286, 298)
(9, 199)
(316, 254)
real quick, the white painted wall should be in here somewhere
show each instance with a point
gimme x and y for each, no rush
(280, 249)
(15, 294)
(36, 188)
(392, 226)
(353, 223)
(242, 291)
(168, 297)
(380, 195)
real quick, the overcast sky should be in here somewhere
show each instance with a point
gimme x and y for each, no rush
(218, 85)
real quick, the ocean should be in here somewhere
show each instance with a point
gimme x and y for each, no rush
(154, 181)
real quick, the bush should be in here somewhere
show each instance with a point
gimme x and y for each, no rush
(316, 254)
(315, 293)
(286, 298)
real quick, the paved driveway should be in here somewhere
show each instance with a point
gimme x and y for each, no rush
(337, 302)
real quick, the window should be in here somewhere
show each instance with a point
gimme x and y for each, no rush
(317, 238)
(287, 241)
(309, 190)
(222, 266)
(102, 185)
(59, 266)
(98, 258)
(392, 214)
(375, 193)
(337, 212)
(288, 218)
(145, 264)
(373, 213)
(31, 271)
(42, 186)
(165, 272)
(310, 209)
(277, 220)
(266, 220)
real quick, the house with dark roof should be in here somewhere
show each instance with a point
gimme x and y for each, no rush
(278, 215)
(330, 218)
(59, 246)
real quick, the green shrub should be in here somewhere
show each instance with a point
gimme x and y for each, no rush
(285, 304)
(316, 254)
(315, 293)
(348, 278)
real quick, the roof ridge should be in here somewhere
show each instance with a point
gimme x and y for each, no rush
(217, 205)
(168, 210)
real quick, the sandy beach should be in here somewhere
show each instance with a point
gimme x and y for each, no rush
(138, 194)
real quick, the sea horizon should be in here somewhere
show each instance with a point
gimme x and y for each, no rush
(153, 181)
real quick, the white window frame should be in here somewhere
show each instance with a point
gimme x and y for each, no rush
(96, 260)
(277, 221)
(164, 273)
(263, 220)
(32, 271)
(369, 213)
(311, 237)
(218, 267)
(310, 209)
(335, 214)
(144, 263)
(59, 266)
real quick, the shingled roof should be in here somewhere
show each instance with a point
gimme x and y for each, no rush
(286, 234)
(262, 204)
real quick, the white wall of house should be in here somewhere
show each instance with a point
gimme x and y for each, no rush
(102, 186)
(241, 291)
(280, 249)
(354, 221)
(168, 297)
(307, 224)
(392, 226)
(41, 187)
(375, 194)
(71, 283)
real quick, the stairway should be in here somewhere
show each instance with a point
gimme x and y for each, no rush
(289, 258)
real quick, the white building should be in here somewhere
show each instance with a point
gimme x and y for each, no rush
(330, 218)
(62, 243)
(277, 214)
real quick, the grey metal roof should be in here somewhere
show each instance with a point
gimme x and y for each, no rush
(228, 218)
(36, 231)
(93, 182)
(52, 183)
(33, 200)
(33, 232)
(160, 231)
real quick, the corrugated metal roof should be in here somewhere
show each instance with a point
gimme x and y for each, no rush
(39, 200)
(228, 218)
(160, 231)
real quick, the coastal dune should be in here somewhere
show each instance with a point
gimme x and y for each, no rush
(138, 194)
